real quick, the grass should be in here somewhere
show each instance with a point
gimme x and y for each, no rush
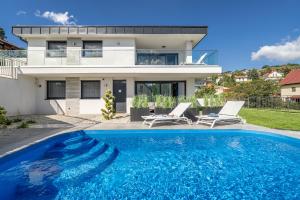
(277, 119)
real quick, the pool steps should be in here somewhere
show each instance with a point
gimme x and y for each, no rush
(79, 158)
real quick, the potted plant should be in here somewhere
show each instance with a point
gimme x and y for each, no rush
(213, 104)
(139, 108)
(164, 104)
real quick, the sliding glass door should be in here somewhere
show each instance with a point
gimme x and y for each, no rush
(166, 88)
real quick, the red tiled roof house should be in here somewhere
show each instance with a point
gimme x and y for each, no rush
(290, 85)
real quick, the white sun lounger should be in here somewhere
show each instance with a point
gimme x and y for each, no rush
(229, 114)
(175, 116)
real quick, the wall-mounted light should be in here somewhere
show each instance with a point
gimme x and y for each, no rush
(163, 46)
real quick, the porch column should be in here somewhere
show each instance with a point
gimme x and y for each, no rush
(130, 93)
(188, 52)
(72, 95)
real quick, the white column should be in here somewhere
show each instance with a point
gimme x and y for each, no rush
(130, 93)
(188, 52)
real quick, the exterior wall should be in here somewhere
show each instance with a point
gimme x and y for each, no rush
(45, 106)
(73, 105)
(286, 90)
(115, 52)
(18, 96)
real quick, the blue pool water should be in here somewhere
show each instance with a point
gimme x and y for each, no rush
(155, 164)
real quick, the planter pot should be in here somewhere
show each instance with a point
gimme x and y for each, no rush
(191, 113)
(162, 111)
(137, 113)
(208, 110)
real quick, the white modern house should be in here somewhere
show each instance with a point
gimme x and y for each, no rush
(66, 69)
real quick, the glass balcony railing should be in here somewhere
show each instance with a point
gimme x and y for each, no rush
(176, 57)
(126, 57)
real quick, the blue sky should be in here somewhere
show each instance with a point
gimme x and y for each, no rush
(237, 28)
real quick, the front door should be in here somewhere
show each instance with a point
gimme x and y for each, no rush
(119, 92)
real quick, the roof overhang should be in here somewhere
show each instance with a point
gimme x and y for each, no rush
(192, 33)
(121, 71)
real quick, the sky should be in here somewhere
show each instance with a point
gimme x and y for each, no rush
(246, 33)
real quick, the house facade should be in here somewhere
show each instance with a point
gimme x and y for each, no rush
(73, 66)
(5, 45)
(274, 76)
(290, 86)
(241, 78)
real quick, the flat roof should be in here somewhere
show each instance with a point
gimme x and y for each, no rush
(78, 29)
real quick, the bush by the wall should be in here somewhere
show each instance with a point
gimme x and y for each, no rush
(108, 112)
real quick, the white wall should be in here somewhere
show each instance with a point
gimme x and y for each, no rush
(28, 95)
(18, 96)
(117, 51)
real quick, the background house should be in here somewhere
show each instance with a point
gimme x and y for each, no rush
(5, 45)
(290, 86)
(274, 75)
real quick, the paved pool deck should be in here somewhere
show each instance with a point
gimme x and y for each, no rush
(13, 139)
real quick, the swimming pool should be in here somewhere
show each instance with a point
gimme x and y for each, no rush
(155, 164)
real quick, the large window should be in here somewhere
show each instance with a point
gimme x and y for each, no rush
(56, 89)
(157, 59)
(293, 89)
(92, 49)
(56, 49)
(166, 88)
(90, 89)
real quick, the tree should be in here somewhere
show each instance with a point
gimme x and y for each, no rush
(207, 90)
(108, 112)
(2, 34)
(256, 88)
(253, 74)
(228, 80)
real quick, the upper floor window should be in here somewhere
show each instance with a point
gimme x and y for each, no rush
(56, 49)
(157, 59)
(92, 49)
(293, 89)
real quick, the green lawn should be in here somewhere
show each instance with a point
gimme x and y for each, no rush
(278, 119)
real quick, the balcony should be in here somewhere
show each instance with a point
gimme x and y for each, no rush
(106, 57)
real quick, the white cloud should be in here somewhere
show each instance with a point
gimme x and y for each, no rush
(21, 12)
(287, 51)
(59, 18)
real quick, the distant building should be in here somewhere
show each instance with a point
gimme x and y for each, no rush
(273, 75)
(221, 89)
(290, 86)
(5, 45)
(241, 78)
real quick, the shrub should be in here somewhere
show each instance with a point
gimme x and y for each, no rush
(30, 121)
(2, 115)
(108, 112)
(214, 100)
(16, 120)
(169, 102)
(159, 101)
(165, 101)
(23, 125)
(140, 101)
(191, 99)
